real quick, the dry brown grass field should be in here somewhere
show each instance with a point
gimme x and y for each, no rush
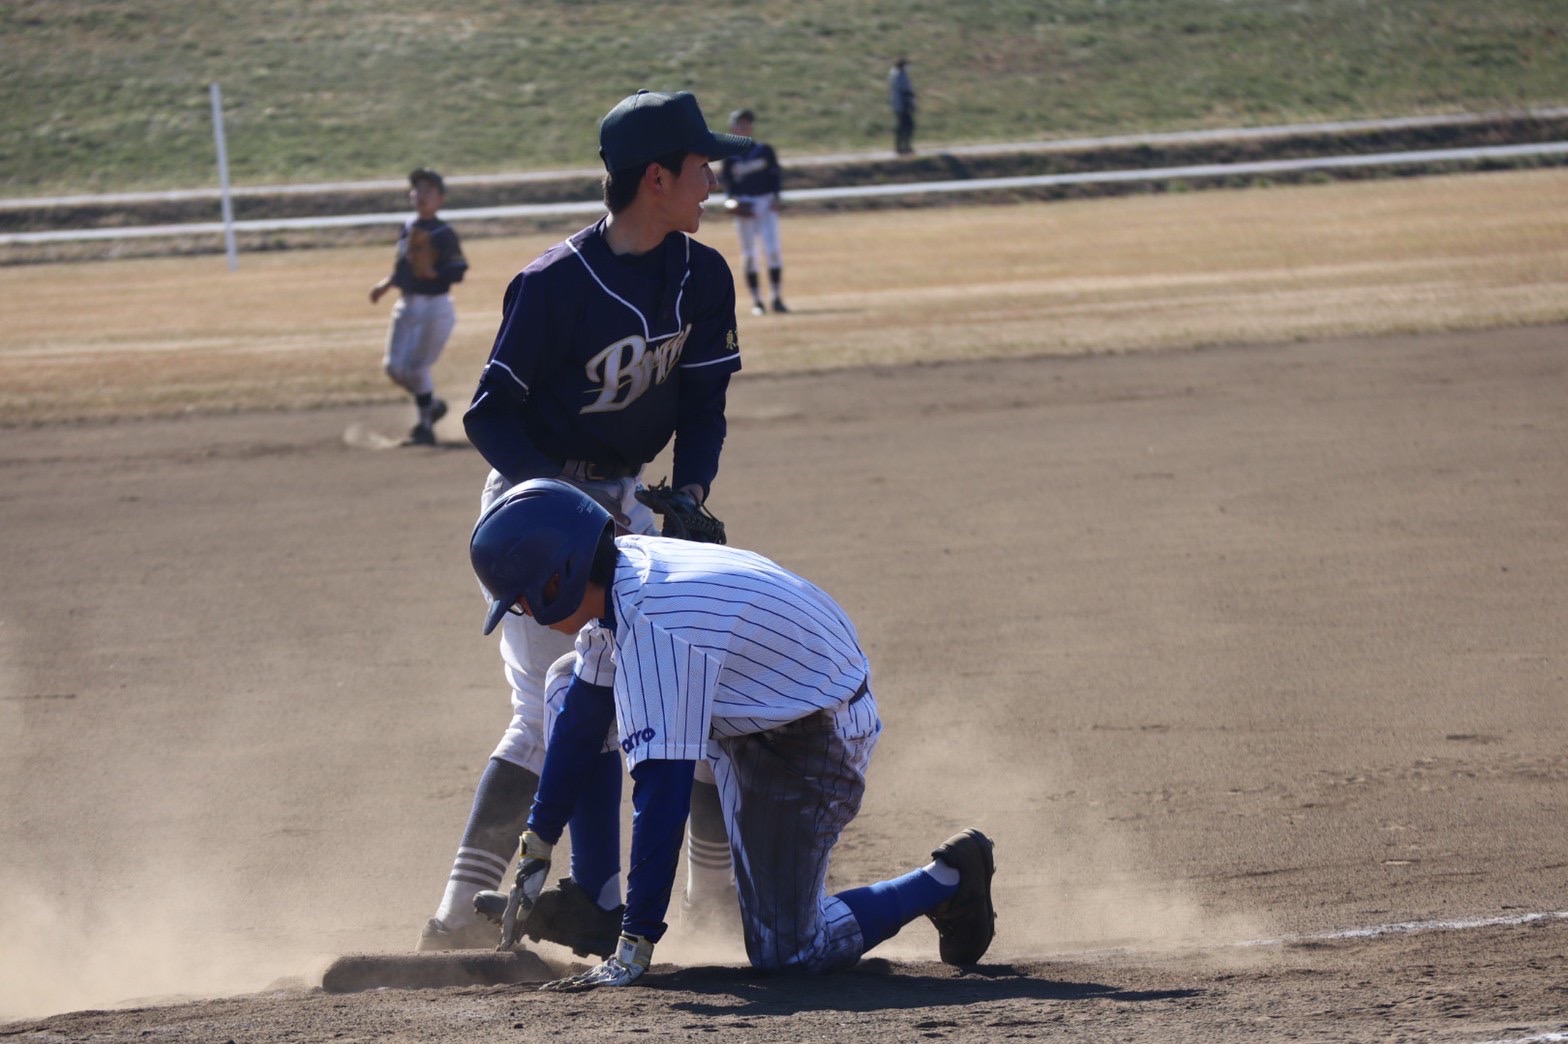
(294, 329)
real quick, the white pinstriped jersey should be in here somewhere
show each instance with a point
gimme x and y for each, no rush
(715, 641)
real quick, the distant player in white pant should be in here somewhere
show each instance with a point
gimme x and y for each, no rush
(705, 653)
(429, 260)
(752, 183)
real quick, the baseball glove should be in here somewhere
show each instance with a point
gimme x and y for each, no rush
(683, 518)
(740, 208)
(422, 254)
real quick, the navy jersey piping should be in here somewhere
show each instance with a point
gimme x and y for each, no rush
(648, 335)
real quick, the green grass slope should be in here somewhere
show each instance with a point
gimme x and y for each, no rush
(100, 95)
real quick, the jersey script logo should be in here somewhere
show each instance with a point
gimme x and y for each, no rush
(637, 739)
(629, 367)
(744, 168)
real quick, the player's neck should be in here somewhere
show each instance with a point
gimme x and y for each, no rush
(590, 608)
(631, 232)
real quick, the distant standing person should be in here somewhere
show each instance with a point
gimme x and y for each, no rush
(752, 182)
(901, 96)
(429, 260)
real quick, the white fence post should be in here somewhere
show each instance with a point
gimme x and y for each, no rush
(223, 177)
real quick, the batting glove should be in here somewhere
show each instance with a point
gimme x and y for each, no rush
(631, 959)
(533, 867)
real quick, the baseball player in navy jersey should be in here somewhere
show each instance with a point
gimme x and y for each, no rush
(611, 343)
(429, 260)
(705, 653)
(752, 181)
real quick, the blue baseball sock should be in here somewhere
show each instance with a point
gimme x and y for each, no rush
(596, 829)
(885, 907)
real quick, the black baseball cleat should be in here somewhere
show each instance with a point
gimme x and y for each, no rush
(566, 916)
(966, 923)
(420, 435)
(778, 306)
(437, 410)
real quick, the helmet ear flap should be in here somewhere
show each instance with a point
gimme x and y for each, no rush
(550, 592)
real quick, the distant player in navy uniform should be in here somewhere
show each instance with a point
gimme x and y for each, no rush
(752, 182)
(429, 260)
(611, 343)
(706, 654)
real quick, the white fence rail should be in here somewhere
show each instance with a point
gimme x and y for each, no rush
(971, 185)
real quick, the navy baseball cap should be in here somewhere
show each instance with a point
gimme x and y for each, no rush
(649, 124)
(426, 174)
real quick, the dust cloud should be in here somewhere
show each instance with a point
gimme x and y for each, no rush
(1068, 879)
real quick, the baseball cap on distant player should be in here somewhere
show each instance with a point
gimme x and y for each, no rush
(649, 124)
(426, 174)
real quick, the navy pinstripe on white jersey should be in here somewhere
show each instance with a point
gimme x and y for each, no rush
(737, 645)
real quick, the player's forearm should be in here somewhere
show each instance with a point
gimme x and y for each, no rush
(494, 426)
(661, 801)
(587, 713)
(699, 432)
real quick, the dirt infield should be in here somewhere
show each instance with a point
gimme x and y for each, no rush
(1252, 645)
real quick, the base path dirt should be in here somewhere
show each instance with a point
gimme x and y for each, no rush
(1241, 655)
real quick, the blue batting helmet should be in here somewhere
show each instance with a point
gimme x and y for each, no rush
(539, 531)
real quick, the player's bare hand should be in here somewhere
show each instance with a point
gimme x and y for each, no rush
(378, 291)
(631, 960)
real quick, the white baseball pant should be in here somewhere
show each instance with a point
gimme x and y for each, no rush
(421, 324)
(762, 228)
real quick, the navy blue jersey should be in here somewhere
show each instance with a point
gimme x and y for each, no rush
(754, 172)
(603, 358)
(431, 243)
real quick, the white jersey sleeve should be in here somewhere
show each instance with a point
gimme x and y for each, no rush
(596, 655)
(663, 692)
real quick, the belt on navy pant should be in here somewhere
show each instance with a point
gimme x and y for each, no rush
(591, 471)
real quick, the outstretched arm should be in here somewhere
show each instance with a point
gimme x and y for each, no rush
(574, 745)
(661, 800)
(494, 425)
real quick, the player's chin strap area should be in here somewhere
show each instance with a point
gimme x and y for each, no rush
(631, 959)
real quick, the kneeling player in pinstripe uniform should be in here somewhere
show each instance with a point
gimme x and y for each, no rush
(699, 652)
